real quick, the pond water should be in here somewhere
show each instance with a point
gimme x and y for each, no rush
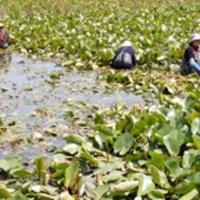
(34, 95)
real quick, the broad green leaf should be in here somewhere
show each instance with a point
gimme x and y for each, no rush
(174, 141)
(159, 177)
(174, 168)
(194, 178)
(157, 159)
(112, 176)
(146, 185)
(123, 143)
(70, 173)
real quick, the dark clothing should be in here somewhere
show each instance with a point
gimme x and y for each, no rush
(4, 38)
(191, 61)
(124, 58)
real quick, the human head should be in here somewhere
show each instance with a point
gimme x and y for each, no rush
(126, 43)
(195, 39)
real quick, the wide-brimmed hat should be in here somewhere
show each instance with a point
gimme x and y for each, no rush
(195, 37)
(126, 43)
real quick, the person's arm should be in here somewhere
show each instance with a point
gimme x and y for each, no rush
(194, 65)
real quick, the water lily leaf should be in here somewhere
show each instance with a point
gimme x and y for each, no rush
(159, 177)
(123, 143)
(196, 140)
(195, 127)
(191, 195)
(71, 173)
(174, 141)
(146, 185)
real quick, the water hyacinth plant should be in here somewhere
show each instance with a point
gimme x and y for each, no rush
(150, 152)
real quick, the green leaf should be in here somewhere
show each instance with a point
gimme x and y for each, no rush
(146, 185)
(123, 143)
(191, 195)
(157, 159)
(71, 138)
(189, 158)
(157, 194)
(194, 178)
(101, 190)
(86, 155)
(71, 173)
(10, 163)
(18, 196)
(104, 130)
(196, 140)
(174, 168)
(159, 177)
(21, 173)
(195, 127)
(174, 141)
(4, 192)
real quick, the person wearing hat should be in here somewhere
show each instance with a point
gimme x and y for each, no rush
(191, 59)
(124, 57)
(4, 38)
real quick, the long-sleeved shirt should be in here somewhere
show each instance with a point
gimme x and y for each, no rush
(191, 61)
(124, 58)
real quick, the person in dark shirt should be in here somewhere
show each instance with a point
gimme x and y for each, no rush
(124, 57)
(4, 38)
(191, 59)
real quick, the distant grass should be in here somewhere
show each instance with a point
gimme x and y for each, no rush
(63, 6)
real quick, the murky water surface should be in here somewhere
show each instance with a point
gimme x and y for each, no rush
(31, 102)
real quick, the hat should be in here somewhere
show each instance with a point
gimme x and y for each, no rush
(194, 37)
(1, 25)
(126, 44)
